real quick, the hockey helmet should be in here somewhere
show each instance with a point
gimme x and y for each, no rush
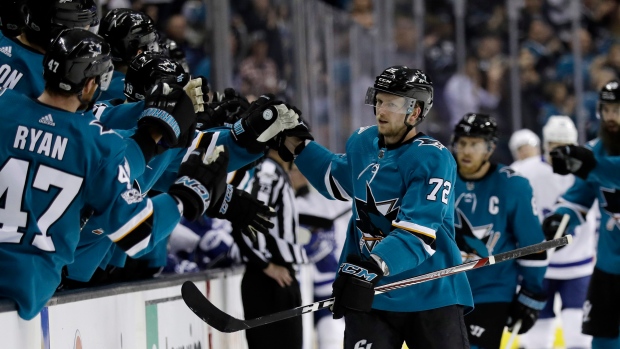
(406, 82)
(171, 49)
(147, 69)
(128, 31)
(11, 19)
(522, 137)
(44, 19)
(609, 94)
(75, 56)
(476, 125)
(560, 129)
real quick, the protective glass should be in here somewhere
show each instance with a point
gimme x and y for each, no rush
(400, 105)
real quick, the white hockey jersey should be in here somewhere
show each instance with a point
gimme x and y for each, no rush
(577, 259)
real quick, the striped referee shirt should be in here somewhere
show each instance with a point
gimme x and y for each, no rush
(271, 185)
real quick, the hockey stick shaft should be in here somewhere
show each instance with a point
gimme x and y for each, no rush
(223, 322)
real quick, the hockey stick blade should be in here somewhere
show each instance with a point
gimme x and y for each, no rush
(223, 322)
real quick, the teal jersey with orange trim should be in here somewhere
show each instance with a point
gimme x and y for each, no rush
(496, 214)
(403, 212)
(54, 164)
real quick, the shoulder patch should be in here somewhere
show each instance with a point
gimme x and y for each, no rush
(362, 129)
(508, 171)
(432, 142)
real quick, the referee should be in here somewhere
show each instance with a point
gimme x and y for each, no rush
(269, 284)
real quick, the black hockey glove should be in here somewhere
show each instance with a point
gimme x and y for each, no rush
(216, 114)
(244, 212)
(301, 131)
(550, 225)
(200, 184)
(525, 307)
(230, 95)
(354, 288)
(265, 118)
(170, 110)
(573, 159)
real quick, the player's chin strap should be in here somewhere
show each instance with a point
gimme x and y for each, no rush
(410, 126)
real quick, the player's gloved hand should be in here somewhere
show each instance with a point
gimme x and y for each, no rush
(301, 131)
(168, 109)
(525, 307)
(201, 182)
(265, 118)
(243, 211)
(550, 225)
(226, 108)
(230, 94)
(198, 91)
(354, 288)
(573, 159)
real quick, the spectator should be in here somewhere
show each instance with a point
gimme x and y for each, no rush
(258, 72)
(559, 102)
(362, 13)
(464, 91)
(565, 66)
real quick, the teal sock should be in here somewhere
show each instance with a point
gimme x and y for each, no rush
(605, 343)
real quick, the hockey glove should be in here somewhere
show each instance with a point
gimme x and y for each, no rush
(573, 159)
(354, 288)
(525, 307)
(244, 212)
(198, 91)
(230, 95)
(169, 109)
(201, 182)
(265, 118)
(301, 131)
(550, 225)
(216, 114)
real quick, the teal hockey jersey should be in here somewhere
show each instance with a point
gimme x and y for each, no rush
(403, 212)
(161, 172)
(494, 214)
(55, 163)
(21, 67)
(603, 184)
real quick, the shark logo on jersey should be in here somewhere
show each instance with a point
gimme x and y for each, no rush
(474, 242)
(467, 199)
(374, 219)
(612, 207)
(432, 142)
(508, 171)
(374, 168)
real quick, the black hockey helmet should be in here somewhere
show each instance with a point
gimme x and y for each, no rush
(44, 19)
(75, 56)
(128, 31)
(476, 125)
(405, 82)
(11, 19)
(147, 69)
(171, 49)
(609, 94)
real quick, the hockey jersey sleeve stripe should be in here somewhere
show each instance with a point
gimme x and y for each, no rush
(334, 188)
(133, 223)
(139, 246)
(415, 228)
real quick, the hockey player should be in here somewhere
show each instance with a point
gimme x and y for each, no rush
(143, 72)
(129, 33)
(495, 213)
(57, 160)
(23, 55)
(317, 215)
(400, 182)
(570, 268)
(524, 144)
(601, 309)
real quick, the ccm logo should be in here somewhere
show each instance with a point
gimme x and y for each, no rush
(357, 271)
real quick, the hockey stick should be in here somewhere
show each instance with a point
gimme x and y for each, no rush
(517, 327)
(223, 322)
